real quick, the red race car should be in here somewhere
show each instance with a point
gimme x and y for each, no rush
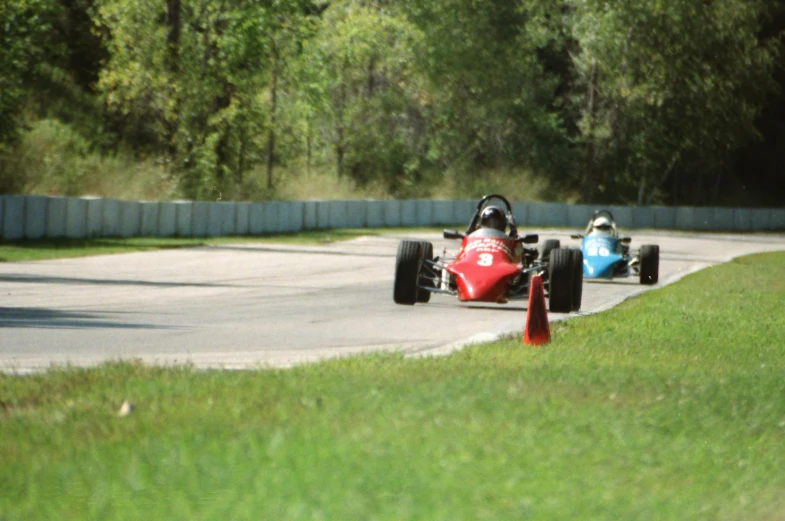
(492, 265)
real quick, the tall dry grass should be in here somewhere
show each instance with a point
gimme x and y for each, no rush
(54, 159)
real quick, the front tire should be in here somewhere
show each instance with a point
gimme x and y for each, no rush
(560, 279)
(547, 247)
(650, 264)
(407, 269)
(576, 263)
(426, 270)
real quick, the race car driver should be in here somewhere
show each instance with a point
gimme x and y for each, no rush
(492, 225)
(601, 227)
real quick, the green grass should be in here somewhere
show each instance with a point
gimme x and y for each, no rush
(668, 407)
(45, 249)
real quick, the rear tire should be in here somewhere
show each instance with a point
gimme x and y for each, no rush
(650, 264)
(547, 247)
(560, 280)
(576, 263)
(426, 270)
(407, 268)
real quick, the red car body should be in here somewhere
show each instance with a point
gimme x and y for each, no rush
(484, 268)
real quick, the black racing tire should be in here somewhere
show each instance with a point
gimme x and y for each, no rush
(407, 270)
(547, 247)
(423, 295)
(650, 264)
(576, 263)
(560, 281)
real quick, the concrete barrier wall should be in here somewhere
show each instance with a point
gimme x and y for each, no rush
(664, 217)
(408, 213)
(167, 219)
(777, 219)
(35, 217)
(112, 217)
(14, 217)
(242, 218)
(391, 213)
(184, 220)
(272, 220)
(36, 210)
(55, 217)
(130, 218)
(463, 211)
(550, 214)
(75, 218)
(95, 220)
(149, 225)
(200, 218)
(578, 215)
(337, 214)
(256, 219)
(443, 213)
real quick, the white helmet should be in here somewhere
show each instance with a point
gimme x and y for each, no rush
(602, 226)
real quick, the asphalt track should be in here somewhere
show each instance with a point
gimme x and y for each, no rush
(266, 305)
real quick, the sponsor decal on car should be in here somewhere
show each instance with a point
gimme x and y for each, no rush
(488, 245)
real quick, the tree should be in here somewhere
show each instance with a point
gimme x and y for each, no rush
(48, 61)
(24, 44)
(359, 87)
(188, 78)
(493, 94)
(666, 87)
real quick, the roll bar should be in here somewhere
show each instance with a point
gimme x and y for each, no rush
(474, 223)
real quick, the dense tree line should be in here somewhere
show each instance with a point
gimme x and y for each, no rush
(630, 101)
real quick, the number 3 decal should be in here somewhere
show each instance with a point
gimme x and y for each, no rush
(486, 259)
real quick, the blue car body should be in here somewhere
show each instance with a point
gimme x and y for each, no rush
(604, 258)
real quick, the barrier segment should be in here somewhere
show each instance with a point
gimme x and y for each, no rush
(75, 218)
(337, 214)
(374, 216)
(167, 219)
(242, 218)
(356, 213)
(95, 216)
(184, 218)
(130, 218)
(149, 214)
(13, 217)
(55, 217)
(23, 216)
(36, 207)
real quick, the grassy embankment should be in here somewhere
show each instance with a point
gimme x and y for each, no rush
(667, 407)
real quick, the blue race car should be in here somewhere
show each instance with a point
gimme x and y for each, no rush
(607, 256)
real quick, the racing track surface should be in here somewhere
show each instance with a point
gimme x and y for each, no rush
(274, 306)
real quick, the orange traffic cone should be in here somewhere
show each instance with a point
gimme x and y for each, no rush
(537, 331)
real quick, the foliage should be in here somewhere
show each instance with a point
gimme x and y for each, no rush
(23, 46)
(491, 99)
(362, 92)
(193, 85)
(632, 102)
(58, 160)
(671, 84)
